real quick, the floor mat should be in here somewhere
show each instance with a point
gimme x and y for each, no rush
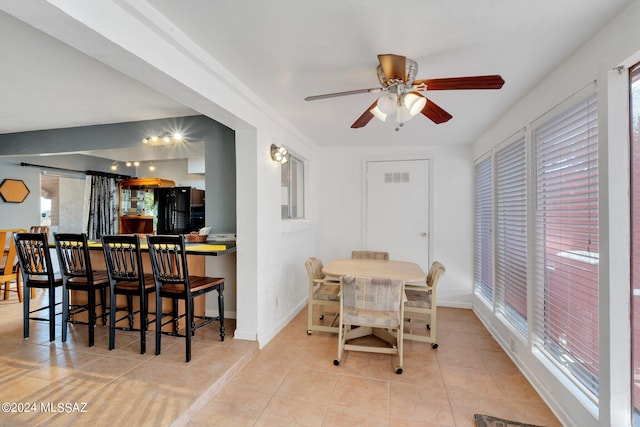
(489, 421)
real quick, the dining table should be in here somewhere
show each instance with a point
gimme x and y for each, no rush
(391, 269)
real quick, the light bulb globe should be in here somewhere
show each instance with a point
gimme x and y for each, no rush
(387, 104)
(414, 103)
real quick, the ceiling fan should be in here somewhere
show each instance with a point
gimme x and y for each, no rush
(402, 96)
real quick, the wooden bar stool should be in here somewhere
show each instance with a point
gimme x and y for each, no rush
(171, 274)
(37, 273)
(127, 278)
(78, 276)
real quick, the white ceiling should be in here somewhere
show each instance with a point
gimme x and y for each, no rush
(284, 50)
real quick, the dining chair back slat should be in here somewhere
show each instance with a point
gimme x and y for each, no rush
(370, 255)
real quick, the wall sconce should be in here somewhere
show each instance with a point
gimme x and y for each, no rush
(279, 154)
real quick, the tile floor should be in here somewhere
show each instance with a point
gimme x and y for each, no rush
(291, 381)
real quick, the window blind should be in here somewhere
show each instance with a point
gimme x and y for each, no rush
(483, 239)
(566, 241)
(511, 233)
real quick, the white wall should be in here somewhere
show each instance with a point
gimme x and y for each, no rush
(451, 235)
(612, 46)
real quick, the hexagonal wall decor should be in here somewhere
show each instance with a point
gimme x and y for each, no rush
(14, 190)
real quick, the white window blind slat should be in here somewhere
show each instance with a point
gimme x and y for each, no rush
(483, 238)
(566, 241)
(511, 233)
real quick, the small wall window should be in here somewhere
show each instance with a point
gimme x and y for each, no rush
(292, 187)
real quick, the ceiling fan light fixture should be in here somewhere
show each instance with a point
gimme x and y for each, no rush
(414, 103)
(387, 104)
(379, 114)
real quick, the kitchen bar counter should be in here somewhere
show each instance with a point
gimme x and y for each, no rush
(208, 248)
(196, 254)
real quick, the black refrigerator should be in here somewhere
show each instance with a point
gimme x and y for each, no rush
(180, 210)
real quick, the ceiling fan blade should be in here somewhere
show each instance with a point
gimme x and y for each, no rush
(394, 66)
(348, 92)
(365, 117)
(436, 114)
(453, 83)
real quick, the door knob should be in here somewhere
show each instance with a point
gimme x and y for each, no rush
(423, 234)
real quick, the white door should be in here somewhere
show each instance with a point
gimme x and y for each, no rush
(397, 209)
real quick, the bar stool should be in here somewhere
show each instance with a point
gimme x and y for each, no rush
(38, 229)
(37, 273)
(171, 274)
(77, 275)
(127, 278)
(8, 267)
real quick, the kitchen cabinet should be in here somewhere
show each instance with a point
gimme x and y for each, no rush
(137, 213)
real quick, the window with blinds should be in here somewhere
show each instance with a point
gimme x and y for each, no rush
(483, 239)
(566, 240)
(511, 233)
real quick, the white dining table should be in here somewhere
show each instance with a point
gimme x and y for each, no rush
(391, 269)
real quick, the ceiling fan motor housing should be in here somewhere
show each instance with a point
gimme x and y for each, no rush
(411, 71)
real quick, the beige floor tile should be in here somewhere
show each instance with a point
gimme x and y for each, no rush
(407, 422)
(368, 365)
(287, 411)
(291, 381)
(261, 377)
(345, 416)
(467, 384)
(231, 407)
(425, 403)
(362, 394)
(455, 356)
(308, 384)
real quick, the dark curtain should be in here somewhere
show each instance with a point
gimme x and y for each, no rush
(103, 207)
